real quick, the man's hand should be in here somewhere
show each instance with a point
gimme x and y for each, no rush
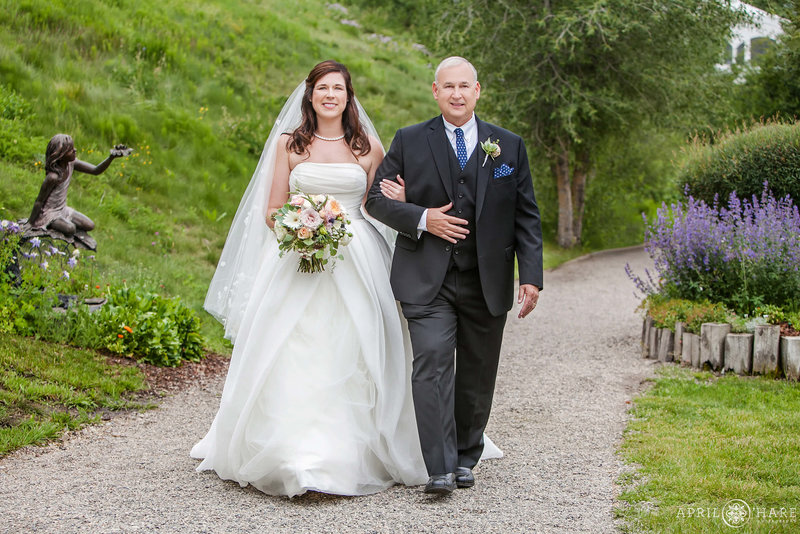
(528, 297)
(445, 226)
(394, 190)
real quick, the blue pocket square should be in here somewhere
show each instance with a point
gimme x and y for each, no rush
(503, 170)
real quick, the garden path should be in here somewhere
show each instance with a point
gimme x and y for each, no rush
(566, 378)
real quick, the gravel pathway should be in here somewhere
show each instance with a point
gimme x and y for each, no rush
(565, 381)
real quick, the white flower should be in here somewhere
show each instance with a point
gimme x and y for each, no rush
(318, 199)
(4, 224)
(310, 219)
(280, 232)
(76, 253)
(346, 238)
(292, 220)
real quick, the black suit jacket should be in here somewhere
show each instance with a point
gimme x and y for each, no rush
(507, 217)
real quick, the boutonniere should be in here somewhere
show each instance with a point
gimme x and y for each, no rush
(491, 149)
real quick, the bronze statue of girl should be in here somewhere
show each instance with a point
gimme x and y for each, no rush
(50, 210)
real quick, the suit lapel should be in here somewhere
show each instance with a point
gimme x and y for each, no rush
(484, 170)
(437, 139)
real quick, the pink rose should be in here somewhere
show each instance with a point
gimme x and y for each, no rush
(327, 216)
(310, 219)
(304, 233)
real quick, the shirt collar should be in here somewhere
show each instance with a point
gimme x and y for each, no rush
(470, 125)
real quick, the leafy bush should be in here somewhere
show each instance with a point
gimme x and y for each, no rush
(158, 330)
(666, 311)
(743, 161)
(12, 105)
(36, 275)
(744, 256)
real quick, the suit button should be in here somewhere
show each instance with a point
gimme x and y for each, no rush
(456, 252)
(461, 181)
(461, 195)
(447, 248)
(459, 211)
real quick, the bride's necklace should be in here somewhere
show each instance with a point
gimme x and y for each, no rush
(328, 138)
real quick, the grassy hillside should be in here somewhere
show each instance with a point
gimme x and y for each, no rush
(194, 88)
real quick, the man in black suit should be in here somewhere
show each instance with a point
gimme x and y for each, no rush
(468, 212)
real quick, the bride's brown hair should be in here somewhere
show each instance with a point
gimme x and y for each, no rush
(354, 135)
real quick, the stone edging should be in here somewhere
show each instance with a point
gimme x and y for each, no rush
(763, 352)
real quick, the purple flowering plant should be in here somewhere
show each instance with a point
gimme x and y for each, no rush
(745, 255)
(33, 272)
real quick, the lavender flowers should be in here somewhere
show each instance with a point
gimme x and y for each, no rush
(744, 256)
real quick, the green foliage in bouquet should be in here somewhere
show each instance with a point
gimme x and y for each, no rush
(313, 226)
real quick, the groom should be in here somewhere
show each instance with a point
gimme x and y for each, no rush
(468, 212)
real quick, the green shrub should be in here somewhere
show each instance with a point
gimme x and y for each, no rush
(155, 329)
(742, 161)
(150, 327)
(665, 312)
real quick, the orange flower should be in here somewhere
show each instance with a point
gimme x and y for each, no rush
(128, 328)
(120, 336)
(97, 287)
(334, 207)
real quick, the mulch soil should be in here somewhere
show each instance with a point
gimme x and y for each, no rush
(788, 331)
(166, 380)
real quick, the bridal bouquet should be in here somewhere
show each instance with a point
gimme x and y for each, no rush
(314, 226)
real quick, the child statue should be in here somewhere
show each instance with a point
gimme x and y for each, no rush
(50, 210)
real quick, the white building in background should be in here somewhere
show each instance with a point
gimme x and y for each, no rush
(748, 41)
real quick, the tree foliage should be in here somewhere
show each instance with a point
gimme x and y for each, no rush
(568, 75)
(772, 89)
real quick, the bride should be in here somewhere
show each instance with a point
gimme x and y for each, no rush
(318, 393)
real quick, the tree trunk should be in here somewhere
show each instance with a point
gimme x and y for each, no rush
(580, 176)
(559, 165)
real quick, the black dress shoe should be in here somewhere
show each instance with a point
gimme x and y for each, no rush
(441, 484)
(464, 477)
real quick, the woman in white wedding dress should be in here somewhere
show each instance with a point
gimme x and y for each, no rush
(318, 392)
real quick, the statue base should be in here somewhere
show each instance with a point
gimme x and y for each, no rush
(80, 239)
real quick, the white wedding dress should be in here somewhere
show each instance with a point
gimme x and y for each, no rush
(318, 399)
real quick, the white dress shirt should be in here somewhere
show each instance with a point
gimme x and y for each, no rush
(470, 134)
(470, 129)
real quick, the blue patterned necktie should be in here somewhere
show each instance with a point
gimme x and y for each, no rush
(461, 148)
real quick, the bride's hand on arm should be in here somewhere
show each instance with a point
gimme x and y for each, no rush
(279, 192)
(394, 190)
(375, 158)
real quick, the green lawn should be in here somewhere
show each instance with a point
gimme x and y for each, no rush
(699, 441)
(46, 389)
(194, 88)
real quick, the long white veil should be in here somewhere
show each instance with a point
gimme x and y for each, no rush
(249, 236)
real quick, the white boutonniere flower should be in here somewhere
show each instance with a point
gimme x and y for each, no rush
(491, 149)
